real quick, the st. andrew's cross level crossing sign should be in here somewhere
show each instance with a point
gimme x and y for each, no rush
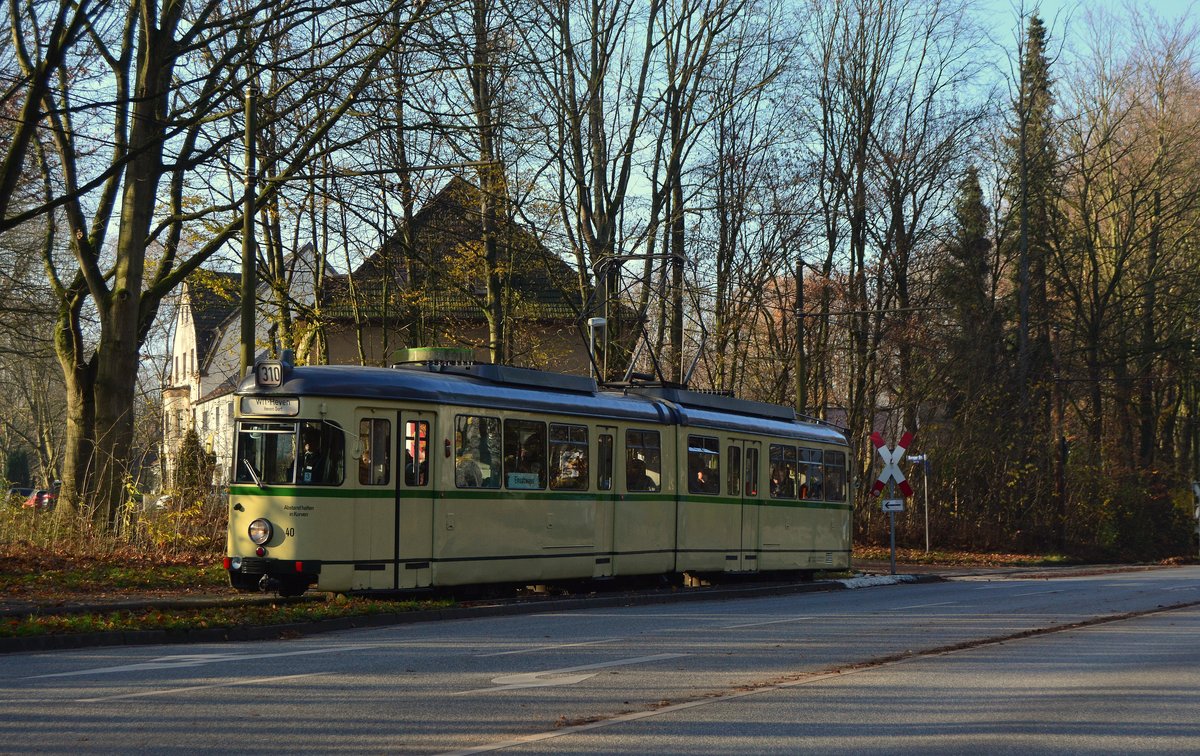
(891, 464)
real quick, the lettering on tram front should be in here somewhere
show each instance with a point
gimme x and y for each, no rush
(298, 510)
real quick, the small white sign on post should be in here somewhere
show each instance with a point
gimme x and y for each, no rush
(893, 505)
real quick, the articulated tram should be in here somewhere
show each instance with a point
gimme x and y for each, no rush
(385, 479)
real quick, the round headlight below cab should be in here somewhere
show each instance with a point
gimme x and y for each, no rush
(260, 531)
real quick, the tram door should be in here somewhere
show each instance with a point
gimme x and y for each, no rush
(414, 501)
(606, 500)
(742, 482)
(374, 550)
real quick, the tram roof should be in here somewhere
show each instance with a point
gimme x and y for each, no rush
(504, 388)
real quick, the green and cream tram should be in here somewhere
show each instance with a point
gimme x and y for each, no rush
(383, 479)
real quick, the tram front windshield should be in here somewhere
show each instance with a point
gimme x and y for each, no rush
(289, 452)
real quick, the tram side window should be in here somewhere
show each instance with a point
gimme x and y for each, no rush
(375, 438)
(604, 450)
(734, 479)
(568, 457)
(476, 451)
(643, 461)
(835, 476)
(704, 465)
(811, 475)
(322, 459)
(524, 454)
(783, 471)
(752, 471)
(416, 453)
(266, 453)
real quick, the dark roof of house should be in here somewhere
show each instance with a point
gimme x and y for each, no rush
(542, 286)
(215, 298)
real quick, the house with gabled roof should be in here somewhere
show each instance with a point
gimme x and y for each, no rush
(427, 293)
(432, 291)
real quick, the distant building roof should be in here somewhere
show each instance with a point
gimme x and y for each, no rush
(214, 298)
(542, 285)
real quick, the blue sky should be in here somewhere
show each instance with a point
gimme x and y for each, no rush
(1055, 12)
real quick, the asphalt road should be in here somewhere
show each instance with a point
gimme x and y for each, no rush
(1088, 664)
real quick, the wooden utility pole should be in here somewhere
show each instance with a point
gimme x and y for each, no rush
(249, 285)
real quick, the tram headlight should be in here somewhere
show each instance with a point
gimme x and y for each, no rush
(260, 531)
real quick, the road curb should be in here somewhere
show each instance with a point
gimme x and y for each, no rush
(39, 643)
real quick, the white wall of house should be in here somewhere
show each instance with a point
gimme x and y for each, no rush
(199, 395)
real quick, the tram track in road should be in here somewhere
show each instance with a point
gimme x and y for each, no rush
(490, 603)
(576, 727)
(487, 602)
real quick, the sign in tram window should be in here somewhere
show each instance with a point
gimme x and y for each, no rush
(476, 451)
(811, 475)
(604, 450)
(416, 453)
(752, 471)
(734, 479)
(783, 471)
(835, 476)
(704, 465)
(374, 465)
(568, 457)
(643, 461)
(524, 454)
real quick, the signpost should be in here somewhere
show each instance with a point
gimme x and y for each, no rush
(923, 460)
(892, 478)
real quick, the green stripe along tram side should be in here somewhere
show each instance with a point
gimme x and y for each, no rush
(471, 475)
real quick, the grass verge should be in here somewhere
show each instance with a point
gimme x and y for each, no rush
(209, 617)
(958, 558)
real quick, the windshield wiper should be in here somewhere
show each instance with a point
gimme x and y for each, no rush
(253, 475)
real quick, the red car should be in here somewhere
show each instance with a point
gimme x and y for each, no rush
(41, 499)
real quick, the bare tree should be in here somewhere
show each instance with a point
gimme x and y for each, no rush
(167, 79)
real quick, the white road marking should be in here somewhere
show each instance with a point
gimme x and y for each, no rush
(197, 660)
(543, 679)
(769, 622)
(923, 606)
(547, 648)
(170, 691)
(634, 716)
